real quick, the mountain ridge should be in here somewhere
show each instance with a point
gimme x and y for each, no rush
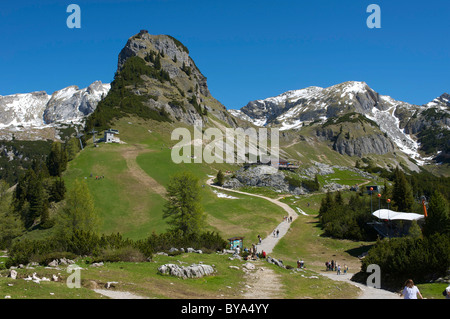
(402, 122)
(38, 109)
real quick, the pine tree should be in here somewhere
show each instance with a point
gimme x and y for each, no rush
(438, 220)
(220, 178)
(37, 198)
(30, 198)
(11, 225)
(402, 193)
(79, 213)
(386, 192)
(414, 230)
(72, 147)
(326, 207)
(316, 183)
(183, 206)
(57, 190)
(157, 63)
(57, 160)
(338, 199)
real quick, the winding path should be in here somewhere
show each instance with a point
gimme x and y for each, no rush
(366, 291)
(130, 154)
(268, 243)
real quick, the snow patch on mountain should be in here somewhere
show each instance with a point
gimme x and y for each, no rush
(39, 110)
(296, 108)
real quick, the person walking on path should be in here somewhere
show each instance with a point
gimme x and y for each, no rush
(447, 292)
(410, 291)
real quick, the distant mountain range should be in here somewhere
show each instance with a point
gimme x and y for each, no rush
(404, 123)
(39, 109)
(157, 79)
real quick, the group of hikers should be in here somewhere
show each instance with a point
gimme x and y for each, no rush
(300, 263)
(333, 266)
(97, 177)
(251, 253)
(287, 219)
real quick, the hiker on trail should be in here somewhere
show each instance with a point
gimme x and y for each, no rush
(410, 291)
(259, 239)
(345, 269)
(327, 265)
(263, 254)
(274, 233)
(332, 265)
(339, 269)
(447, 292)
(278, 232)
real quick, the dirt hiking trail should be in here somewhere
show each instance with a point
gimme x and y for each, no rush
(130, 154)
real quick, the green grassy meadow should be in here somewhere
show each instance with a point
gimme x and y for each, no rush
(130, 200)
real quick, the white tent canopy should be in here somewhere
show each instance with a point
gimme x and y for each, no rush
(391, 215)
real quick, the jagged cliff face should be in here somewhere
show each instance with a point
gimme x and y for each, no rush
(38, 109)
(355, 135)
(175, 88)
(174, 95)
(33, 116)
(395, 124)
(25, 109)
(73, 104)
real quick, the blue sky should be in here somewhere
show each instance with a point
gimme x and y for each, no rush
(247, 49)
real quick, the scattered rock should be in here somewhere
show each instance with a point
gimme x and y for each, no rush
(110, 284)
(193, 271)
(249, 266)
(97, 264)
(228, 251)
(162, 254)
(13, 274)
(259, 176)
(279, 263)
(192, 250)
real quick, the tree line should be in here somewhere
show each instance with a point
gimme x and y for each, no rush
(422, 253)
(76, 228)
(27, 205)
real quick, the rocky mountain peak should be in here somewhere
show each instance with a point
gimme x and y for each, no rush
(403, 123)
(157, 73)
(442, 101)
(39, 109)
